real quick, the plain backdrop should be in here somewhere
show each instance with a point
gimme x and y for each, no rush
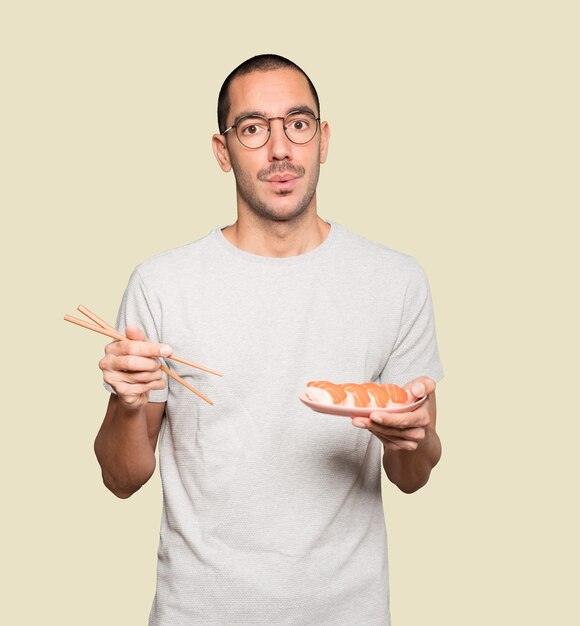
(455, 135)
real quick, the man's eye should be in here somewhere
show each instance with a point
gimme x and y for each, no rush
(252, 128)
(299, 124)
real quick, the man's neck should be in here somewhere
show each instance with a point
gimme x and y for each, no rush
(277, 239)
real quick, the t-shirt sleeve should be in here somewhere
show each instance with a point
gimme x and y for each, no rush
(138, 308)
(415, 352)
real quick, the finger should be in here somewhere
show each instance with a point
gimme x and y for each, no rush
(135, 333)
(145, 377)
(127, 390)
(410, 419)
(116, 378)
(138, 348)
(410, 434)
(139, 377)
(421, 386)
(396, 444)
(131, 363)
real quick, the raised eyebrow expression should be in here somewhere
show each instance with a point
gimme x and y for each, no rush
(297, 109)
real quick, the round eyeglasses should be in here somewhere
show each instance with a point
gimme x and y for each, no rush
(253, 131)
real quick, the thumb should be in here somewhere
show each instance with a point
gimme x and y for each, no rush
(135, 334)
(421, 386)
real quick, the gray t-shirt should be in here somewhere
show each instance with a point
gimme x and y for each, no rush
(272, 513)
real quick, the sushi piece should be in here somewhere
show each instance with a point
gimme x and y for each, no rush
(325, 392)
(397, 395)
(379, 396)
(356, 395)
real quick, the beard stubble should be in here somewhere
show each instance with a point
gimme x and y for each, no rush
(247, 190)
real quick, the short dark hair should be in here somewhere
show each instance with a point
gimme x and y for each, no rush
(259, 63)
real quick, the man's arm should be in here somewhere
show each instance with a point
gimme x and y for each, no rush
(125, 443)
(411, 445)
(410, 469)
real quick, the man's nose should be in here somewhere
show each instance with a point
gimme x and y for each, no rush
(279, 146)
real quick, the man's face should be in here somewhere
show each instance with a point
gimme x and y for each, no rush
(277, 181)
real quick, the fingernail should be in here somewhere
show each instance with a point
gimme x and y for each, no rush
(358, 424)
(165, 350)
(376, 419)
(418, 390)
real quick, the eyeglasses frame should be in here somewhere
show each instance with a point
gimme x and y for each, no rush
(269, 119)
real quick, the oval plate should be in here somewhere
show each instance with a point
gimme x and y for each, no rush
(357, 411)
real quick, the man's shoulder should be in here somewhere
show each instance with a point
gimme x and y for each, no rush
(372, 251)
(175, 260)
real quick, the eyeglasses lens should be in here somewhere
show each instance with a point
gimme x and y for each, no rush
(300, 127)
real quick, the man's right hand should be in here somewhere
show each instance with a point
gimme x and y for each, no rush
(132, 367)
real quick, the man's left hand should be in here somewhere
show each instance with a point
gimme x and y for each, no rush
(403, 431)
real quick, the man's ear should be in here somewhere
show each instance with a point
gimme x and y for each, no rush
(324, 140)
(222, 154)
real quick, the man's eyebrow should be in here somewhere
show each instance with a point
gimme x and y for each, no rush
(239, 116)
(299, 107)
(303, 108)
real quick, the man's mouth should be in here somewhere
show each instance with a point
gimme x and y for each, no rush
(281, 178)
(281, 173)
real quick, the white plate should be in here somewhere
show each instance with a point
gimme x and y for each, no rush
(357, 411)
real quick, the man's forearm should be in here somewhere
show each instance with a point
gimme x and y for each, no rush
(124, 450)
(410, 470)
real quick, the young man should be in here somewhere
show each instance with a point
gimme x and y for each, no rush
(272, 513)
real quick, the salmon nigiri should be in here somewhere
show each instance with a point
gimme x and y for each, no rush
(325, 392)
(356, 394)
(378, 394)
(397, 394)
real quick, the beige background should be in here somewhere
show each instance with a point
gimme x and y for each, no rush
(455, 139)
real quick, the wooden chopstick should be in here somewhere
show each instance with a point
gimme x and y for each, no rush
(108, 330)
(95, 318)
(97, 329)
(103, 324)
(115, 335)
